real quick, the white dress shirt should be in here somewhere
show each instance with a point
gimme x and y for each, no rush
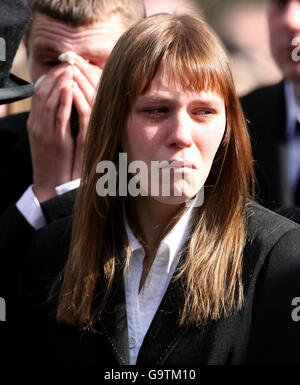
(141, 307)
(30, 207)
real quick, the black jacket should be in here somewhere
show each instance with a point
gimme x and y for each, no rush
(263, 332)
(15, 232)
(265, 111)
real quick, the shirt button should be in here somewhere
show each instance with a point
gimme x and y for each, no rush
(132, 342)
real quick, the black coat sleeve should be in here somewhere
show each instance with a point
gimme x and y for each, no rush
(275, 337)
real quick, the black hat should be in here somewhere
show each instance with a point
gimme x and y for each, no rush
(14, 18)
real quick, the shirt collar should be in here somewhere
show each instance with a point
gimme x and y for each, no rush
(134, 244)
(172, 242)
(292, 108)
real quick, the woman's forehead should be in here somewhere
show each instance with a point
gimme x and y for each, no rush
(163, 84)
(185, 80)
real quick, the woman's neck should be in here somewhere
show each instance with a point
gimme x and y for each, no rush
(150, 219)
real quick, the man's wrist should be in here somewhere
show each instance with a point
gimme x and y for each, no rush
(30, 208)
(43, 195)
(68, 186)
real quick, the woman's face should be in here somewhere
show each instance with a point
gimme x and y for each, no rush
(171, 125)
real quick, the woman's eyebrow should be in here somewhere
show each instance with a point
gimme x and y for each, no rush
(152, 99)
(204, 100)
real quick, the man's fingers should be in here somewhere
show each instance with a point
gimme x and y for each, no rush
(82, 105)
(90, 71)
(45, 83)
(40, 79)
(84, 110)
(87, 89)
(63, 115)
(53, 103)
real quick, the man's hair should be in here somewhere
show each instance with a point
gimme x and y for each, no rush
(83, 12)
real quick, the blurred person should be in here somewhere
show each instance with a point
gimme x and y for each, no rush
(274, 115)
(241, 26)
(157, 279)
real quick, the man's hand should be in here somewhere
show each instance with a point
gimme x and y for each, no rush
(86, 79)
(56, 157)
(51, 143)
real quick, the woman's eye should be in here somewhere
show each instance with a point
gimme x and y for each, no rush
(203, 112)
(156, 110)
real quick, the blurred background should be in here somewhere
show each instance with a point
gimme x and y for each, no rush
(241, 25)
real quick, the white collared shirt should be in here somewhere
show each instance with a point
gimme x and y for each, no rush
(292, 115)
(30, 207)
(141, 307)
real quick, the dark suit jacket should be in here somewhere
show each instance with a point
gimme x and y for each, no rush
(265, 111)
(263, 332)
(15, 232)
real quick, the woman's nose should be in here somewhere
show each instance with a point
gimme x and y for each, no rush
(180, 130)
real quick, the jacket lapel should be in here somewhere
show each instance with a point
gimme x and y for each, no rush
(164, 332)
(162, 336)
(270, 144)
(278, 148)
(113, 325)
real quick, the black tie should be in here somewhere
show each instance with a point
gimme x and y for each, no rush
(297, 194)
(297, 131)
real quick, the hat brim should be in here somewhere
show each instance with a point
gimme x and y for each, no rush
(15, 89)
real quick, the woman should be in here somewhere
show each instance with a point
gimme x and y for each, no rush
(147, 279)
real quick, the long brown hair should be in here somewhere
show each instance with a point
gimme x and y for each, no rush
(211, 274)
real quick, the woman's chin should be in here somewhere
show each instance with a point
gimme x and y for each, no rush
(177, 197)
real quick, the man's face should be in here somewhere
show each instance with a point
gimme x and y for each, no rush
(48, 38)
(284, 27)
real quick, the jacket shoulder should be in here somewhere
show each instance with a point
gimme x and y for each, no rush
(266, 227)
(272, 271)
(263, 222)
(260, 94)
(260, 104)
(49, 250)
(271, 240)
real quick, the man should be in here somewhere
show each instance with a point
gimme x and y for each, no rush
(40, 154)
(274, 114)
(89, 29)
(37, 150)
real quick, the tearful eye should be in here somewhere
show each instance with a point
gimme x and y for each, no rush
(203, 111)
(156, 110)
